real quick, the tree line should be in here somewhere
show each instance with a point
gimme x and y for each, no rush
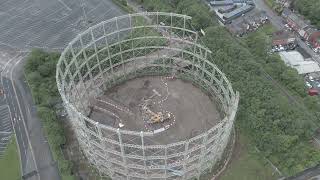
(280, 129)
(310, 9)
(40, 72)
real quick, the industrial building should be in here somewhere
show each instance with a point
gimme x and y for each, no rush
(221, 3)
(296, 60)
(230, 2)
(237, 12)
(227, 9)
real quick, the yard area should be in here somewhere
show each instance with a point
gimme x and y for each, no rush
(10, 163)
(247, 164)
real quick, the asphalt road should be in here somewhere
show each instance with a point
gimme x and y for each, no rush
(21, 134)
(308, 174)
(46, 166)
(35, 155)
(49, 24)
(28, 164)
(46, 24)
(279, 23)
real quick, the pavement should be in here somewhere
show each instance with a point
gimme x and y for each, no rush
(308, 174)
(45, 24)
(49, 24)
(279, 23)
(35, 155)
(28, 164)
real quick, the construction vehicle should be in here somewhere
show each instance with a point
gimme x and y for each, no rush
(155, 117)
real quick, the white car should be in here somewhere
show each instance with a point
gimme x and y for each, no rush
(308, 85)
(311, 78)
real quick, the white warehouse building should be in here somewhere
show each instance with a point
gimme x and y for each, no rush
(296, 60)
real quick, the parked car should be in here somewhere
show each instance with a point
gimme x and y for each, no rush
(308, 85)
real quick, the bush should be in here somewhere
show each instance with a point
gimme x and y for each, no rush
(40, 73)
(278, 128)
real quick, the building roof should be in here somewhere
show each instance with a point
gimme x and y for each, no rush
(294, 18)
(296, 60)
(307, 67)
(282, 35)
(238, 11)
(291, 57)
(315, 38)
(282, 38)
(298, 21)
(221, 3)
(286, 12)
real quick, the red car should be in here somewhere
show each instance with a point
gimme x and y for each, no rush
(313, 92)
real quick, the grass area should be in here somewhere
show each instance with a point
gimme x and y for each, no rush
(40, 75)
(10, 163)
(268, 29)
(123, 5)
(247, 164)
(270, 3)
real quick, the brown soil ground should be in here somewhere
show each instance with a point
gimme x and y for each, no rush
(192, 111)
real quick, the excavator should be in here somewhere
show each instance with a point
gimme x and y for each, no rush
(154, 117)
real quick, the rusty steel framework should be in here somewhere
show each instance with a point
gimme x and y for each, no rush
(126, 47)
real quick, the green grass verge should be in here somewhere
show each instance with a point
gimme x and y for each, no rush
(10, 163)
(247, 164)
(270, 3)
(123, 6)
(40, 75)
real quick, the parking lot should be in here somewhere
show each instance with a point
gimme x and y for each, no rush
(49, 23)
(313, 81)
(5, 128)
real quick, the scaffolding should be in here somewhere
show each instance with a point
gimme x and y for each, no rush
(130, 46)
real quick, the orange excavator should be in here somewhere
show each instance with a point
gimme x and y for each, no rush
(154, 117)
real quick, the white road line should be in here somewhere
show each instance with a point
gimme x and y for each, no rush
(64, 4)
(5, 66)
(23, 121)
(5, 132)
(6, 126)
(34, 26)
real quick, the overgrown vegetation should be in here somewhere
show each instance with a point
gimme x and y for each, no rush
(275, 5)
(259, 44)
(40, 72)
(247, 164)
(310, 9)
(10, 163)
(276, 126)
(279, 128)
(123, 4)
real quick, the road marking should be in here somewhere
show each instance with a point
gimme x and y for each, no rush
(64, 4)
(23, 121)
